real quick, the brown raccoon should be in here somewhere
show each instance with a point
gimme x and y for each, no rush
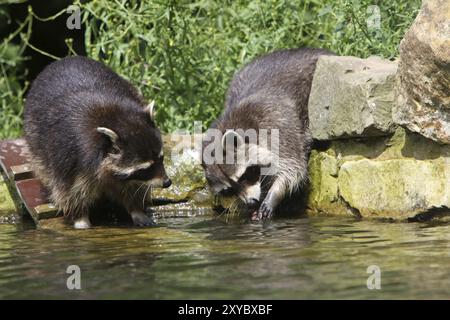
(91, 136)
(271, 92)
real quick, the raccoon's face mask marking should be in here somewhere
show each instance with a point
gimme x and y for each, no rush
(136, 159)
(241, 178)
(151, 172)
(250, 186)
(247, 187)
(217, 181)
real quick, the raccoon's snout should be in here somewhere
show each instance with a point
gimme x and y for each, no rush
(252, 203)
(166, 182)
(251, 195)
(160, 183)
(162, 180)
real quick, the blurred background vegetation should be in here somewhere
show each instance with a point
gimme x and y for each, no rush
(183, 53)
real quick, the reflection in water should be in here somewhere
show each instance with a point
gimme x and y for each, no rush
(204, 257)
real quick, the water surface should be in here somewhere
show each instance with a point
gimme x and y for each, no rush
(203, 257)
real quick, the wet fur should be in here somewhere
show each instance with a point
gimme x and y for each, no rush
(65, 105)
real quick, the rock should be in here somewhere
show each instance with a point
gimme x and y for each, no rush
(424, 73)
(323, 189)
(189, 189)
(397, 188)
(352, 97)
(389, 177)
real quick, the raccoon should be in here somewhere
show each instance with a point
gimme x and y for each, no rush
(271, 92)
(92, 136)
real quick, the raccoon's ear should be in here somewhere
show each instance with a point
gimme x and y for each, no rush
(109, 133)
(239, 140)
(150, 109)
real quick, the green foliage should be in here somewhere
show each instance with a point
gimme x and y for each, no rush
(353, 32)
(184, 53)
(11, 91)
(12, 86)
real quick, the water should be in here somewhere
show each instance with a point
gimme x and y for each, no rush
(203, 257)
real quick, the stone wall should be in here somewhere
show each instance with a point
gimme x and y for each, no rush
(386, 125)
(396, 176)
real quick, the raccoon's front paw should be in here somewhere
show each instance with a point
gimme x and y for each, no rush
(142, 220)
(265, 211)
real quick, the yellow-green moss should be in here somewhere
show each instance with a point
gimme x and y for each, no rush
(323, 188)
(392, 177)
(6, 202)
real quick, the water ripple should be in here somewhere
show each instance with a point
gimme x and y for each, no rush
(204, 257)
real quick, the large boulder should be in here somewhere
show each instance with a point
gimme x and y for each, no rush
(352, 97)
(424, 73)
(393, 177)
(395, 188)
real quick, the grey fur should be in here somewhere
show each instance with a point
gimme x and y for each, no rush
(271, 92)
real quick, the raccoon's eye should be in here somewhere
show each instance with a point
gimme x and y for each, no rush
(226, 192)
(251, 175)
(142, 174)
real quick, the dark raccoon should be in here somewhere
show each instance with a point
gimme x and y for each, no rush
(270, 92)
(92, 136)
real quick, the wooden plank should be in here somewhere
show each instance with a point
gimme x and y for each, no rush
(21, 172)
(13, 153)
(31, 194)
(35, 198)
